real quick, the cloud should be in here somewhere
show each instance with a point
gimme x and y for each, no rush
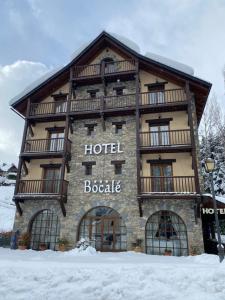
(186, 31)
(13, 79)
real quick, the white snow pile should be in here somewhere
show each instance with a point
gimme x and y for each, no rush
(171, 63)
(52, 275)
(79, 251)
(7, 208)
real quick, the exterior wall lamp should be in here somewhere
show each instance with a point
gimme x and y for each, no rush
(210, 167)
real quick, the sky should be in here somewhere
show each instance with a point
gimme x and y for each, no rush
(37, 36)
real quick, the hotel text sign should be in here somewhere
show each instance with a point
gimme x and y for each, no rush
(102, 186)
(210, 211)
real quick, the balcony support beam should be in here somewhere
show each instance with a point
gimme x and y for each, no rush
(193, 138)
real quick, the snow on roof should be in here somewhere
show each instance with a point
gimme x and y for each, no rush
(218, 198)
(124, 40)
(5, 166)
(171, 63)
(34, 84)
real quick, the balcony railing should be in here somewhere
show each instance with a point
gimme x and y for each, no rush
(48, 108)
(173, 184)
(165, 138)
(163, 97)
(80, 105)
(104, 68)
(43, 186)
(150, 99)
(46, 145)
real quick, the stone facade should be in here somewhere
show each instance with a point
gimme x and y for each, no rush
(125, 202)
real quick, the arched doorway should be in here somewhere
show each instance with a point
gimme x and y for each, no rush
(44, 229)
(105, 229)
(165, 231)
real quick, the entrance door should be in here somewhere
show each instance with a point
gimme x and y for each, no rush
(105, 230)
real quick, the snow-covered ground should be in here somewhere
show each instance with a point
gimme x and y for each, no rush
(109, 276)
(7, 208)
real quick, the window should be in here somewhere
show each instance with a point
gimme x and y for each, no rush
(55, 139)
(60, 102)
(156, 93)
(118, 126)
(165, 231)
(45, 229)
(90, 128)
(109, 65)
(51, 178)
(159, 134)
(118, 166)
(93, 93)
(119, 90)
(162, 180)
(88, 167)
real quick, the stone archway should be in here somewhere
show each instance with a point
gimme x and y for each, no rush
(165, 231)
(105, 229)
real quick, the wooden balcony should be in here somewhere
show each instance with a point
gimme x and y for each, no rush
(109, 70)
(165, 141)
(169, 100)
(42, 187)
(165, 100)
(46, 148)
(168, 185)
(48, 110)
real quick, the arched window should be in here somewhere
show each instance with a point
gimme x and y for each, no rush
(166, 231)
(44, 230)
(105, 229)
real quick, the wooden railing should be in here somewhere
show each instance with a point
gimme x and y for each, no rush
(114, 102)
(43, 186)
(162, 97)
(85, 105)
(105, 68)
(46, 145)
(170, 184)
(165, 138)
(109, 102)
(47, 108)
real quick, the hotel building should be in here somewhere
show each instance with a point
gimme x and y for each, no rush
(110, 152)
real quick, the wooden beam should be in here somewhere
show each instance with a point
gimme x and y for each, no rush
(18, 207)
(25, 167)
(193, 138)
(62, 207)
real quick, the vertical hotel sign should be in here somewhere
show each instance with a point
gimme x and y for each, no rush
(102, 186)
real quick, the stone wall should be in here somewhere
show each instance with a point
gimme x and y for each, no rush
(125, 203)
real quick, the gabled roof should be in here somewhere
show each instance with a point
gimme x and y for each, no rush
(177, 69)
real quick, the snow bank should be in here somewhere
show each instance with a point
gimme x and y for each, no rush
(7, 208)
(109, 276)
